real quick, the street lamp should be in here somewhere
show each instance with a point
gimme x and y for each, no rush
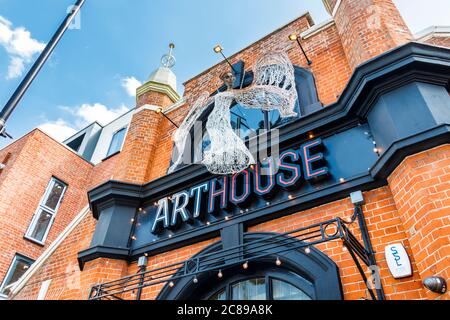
(7, 110)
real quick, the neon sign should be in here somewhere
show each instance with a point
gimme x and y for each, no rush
(286, 171)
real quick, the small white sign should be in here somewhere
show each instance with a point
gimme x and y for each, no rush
(398, 261)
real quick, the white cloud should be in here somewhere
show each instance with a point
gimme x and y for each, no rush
(419, 15)
(15, 68)
(89, 113)
(81, 117)
(59, 129)
(130, 84)
(19, 44)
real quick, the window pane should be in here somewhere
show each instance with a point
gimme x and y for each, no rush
(254, 289)
(116, 142)
(285, 291)
(43, 222)
(219, 296)
(18, 268)
(246, 121)
(55, 195)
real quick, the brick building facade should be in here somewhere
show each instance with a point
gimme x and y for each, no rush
(372, 80)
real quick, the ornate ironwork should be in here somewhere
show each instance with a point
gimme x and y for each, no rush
(272, 245)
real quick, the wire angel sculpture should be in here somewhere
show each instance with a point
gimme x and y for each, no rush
(273, 88)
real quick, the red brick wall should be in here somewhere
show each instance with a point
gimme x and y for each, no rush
(9, 154)
(384, 228)
(323, 48)
(421, 190)
(381, 214)
(368, 28)
(35, 159)
(363, 30)
(439, 41)
(330, 69)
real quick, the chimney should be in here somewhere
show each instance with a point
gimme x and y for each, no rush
(367, 28)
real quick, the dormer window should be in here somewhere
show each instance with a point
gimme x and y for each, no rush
(116, 142)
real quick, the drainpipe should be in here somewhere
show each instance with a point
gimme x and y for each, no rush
(357, 199)
(142, 264)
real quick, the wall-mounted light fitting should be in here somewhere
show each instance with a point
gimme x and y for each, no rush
(294, 37)
(219, 49)
(159, 110)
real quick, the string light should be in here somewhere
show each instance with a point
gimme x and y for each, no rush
(133, 238)
(195, 280)
(132, 219)
(308, 250)
(245, 265)
(171, 284)
(278, 262)
(291, 197)
(220, 274)
(208, 223)
(146, 254)
(341, 180)
(227, 218)
(140, 209)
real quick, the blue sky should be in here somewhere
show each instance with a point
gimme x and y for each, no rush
(93, 71)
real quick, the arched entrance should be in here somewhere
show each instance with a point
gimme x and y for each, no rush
(289, 275)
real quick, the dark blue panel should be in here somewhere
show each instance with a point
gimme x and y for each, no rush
(399, 114)
(348, 154)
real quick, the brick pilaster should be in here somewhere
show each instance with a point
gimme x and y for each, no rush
(142, 139)
(421, 190)
(369, 28)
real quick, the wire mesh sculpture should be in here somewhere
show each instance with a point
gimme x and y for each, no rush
(273, 88)
(182, 134)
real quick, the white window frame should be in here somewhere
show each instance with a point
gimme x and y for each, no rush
(10, 269)
(43, 207)
(125, 128)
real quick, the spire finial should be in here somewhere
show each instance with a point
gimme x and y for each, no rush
(168, 60)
